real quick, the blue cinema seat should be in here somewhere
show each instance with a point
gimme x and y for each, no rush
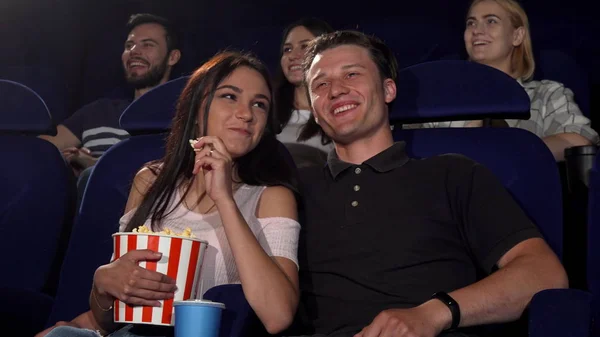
(36, 207)
(47, 82)
(459, 90)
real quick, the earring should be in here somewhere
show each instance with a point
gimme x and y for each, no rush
(317, 120)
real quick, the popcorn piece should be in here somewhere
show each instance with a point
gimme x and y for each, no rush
(187, 233)
(193, 142)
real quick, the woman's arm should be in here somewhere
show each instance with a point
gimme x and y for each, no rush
(270, 284)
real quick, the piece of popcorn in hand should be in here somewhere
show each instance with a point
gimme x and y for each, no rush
(193, 142)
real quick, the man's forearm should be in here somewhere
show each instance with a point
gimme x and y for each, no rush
(504, 295)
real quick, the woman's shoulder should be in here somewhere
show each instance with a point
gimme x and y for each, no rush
(277, 201)
(543, 86)
(148, 173)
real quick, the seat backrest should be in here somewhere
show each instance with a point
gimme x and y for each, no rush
(450, 90)
(37, 194)
(238, 318)
(520, 160)
(153, 112)
(23, 110)
(45, 81)
(102, 206)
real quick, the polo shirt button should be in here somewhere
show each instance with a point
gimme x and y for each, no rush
(357, 170)
(356, 188)
(354, 203)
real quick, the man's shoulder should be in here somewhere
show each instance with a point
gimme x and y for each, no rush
(107, 103)
(454, 162)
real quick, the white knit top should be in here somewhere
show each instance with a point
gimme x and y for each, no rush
(277, 236)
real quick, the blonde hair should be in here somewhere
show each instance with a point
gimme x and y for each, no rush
(522, 63)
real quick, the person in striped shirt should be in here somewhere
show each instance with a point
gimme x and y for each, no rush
(150, 52)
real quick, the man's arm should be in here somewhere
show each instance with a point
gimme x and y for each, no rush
(498, 234)
(526, 269)
(529, 267)
(64, 138)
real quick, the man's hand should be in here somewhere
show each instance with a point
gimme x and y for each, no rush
(79, 158)
(426, 320)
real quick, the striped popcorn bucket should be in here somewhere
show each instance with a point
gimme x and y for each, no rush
(181, 260)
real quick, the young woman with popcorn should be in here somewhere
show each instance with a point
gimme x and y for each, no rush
(230, 184)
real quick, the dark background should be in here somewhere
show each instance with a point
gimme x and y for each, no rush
(79, 42)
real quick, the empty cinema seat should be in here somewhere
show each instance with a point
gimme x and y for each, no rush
(36, 206)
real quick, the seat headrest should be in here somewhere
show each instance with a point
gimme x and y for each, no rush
(153, 111)
(22, 110)
(451, 90)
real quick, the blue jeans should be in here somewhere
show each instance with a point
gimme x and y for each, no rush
(127, 331)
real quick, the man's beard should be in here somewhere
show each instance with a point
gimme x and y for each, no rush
(150, 79)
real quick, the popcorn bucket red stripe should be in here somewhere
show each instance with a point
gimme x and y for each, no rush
(131, 245)
(189, 282)
(116, 254)
(150, 265)
(174, 257)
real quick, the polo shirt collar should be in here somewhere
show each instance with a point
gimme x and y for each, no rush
(391, 158)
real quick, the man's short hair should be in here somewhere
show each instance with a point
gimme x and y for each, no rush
(143, 18)
(382, 55)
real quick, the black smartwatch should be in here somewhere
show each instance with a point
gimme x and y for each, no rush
(452, 305)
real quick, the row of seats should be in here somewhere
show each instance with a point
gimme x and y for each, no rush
(100, 72)
(528, 172)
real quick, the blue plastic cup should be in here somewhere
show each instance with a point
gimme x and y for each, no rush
(197, 318)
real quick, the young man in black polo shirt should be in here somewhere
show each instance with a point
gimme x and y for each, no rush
(382, 232)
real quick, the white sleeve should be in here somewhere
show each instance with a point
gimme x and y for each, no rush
(279, 237)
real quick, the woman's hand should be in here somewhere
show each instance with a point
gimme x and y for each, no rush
(125, 280)
(215, 163)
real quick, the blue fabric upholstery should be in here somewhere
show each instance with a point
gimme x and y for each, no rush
(102, 206)
(23, 111)
(560, 313)
(48, 82)
(36, 207)
(153, 111)
(24, 310)
(238, 317)
(449, 90)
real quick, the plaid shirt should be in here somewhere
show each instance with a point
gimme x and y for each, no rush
(553, 111)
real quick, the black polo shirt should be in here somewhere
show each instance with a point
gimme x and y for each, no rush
(392, 231)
